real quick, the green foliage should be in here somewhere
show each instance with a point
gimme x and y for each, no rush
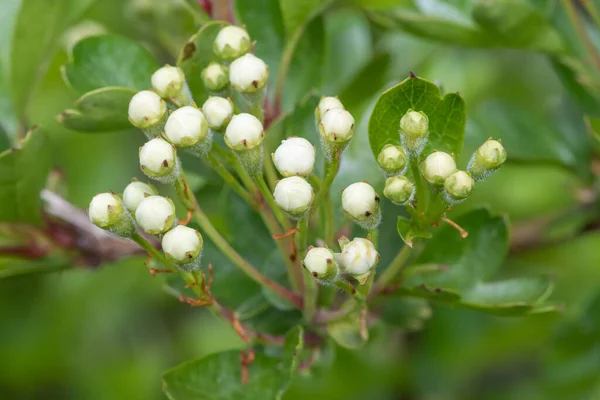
(218, 376)
(23, 172)
(447, 116)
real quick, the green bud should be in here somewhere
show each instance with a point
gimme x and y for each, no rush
(108, 212)
(326, 104)
(398, 189)
(392, 159)
(321, 263)
(437, 167)
(231, 42)
(215, 76)
(158, 160)
(414, 127)
(361, 203)
(294, 195)
(183, 246)
(459, 185)
(488, 158)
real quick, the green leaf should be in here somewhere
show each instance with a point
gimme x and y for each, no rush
(298, 12)
(406, 312)
(37, 30)
(12, 266)
(274, 269)
(579, 82)
(218, 376)
(23, 173)
(348, 332)
(100, 110)
(109, 60)
(409, 231)
(447, 116)
(196, 54)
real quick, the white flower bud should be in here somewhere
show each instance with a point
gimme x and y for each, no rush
(215, 76)
(414, 127)
(361, 203)
(158, 158)
(248, 73)
(294, 195)
(186, 127)
(168, 81)
(358, 258)
(231, 42)
(183, 246)
(488, 158)
(392, 159)
(244, 132)
(398, 189)
(107, 212)
(146, 109)
(326, 104)
(337, 126)
(321, 263)
(458, 185)
(135, 192)
(155, 214)
(437, 167)
(294, 156)
(218, 112)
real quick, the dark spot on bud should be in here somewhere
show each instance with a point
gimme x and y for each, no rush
(245, 143)
(143, 167)
(352, 127)
(315, 274)
(377, 199)
(368, 213)
(255, 84)
(188, 50)
(438, 290)
(190, 255)
(165, 163)
(412, 75)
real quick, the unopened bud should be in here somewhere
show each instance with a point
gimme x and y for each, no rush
(321, 263)
(361, 203)
(215, 76)
(459, 185)
(135, 192)
(437, 167)
(244, 132)
(337, 126)
(248, 74)
(294, 195)
(231, 42)
(392, 159)
(155, 214)
(398, 189)
(218, 112)
(168, 81)
(326, 104)
(147, 110)
(414, 127)
(107, 212)
(183, 246)
(358, 258)
(186, 127)
(488, 158)
(294, 156)
(158, 160)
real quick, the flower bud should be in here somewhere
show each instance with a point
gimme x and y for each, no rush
(361, 204)
(489, 157)
(437, 167)
(248, 73)
(459, 185)
(244, 132)
(294, 195)
(321, 263)
(358, 258)
(155, 215)
(147, 110)
(414, 127)
(215, 76)
(294, 156)
(337, 126)
(186, 127)
(183, 246)
(218, 111)
(231, 42)
(326, 104)
(107, 212)
(168, 81)
(398, 189)
(158, 160)
(135, 192)
(392, 159)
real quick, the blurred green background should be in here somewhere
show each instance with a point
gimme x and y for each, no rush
(109, 332)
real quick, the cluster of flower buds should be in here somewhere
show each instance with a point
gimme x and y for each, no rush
(357, 259)
(336, 125)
